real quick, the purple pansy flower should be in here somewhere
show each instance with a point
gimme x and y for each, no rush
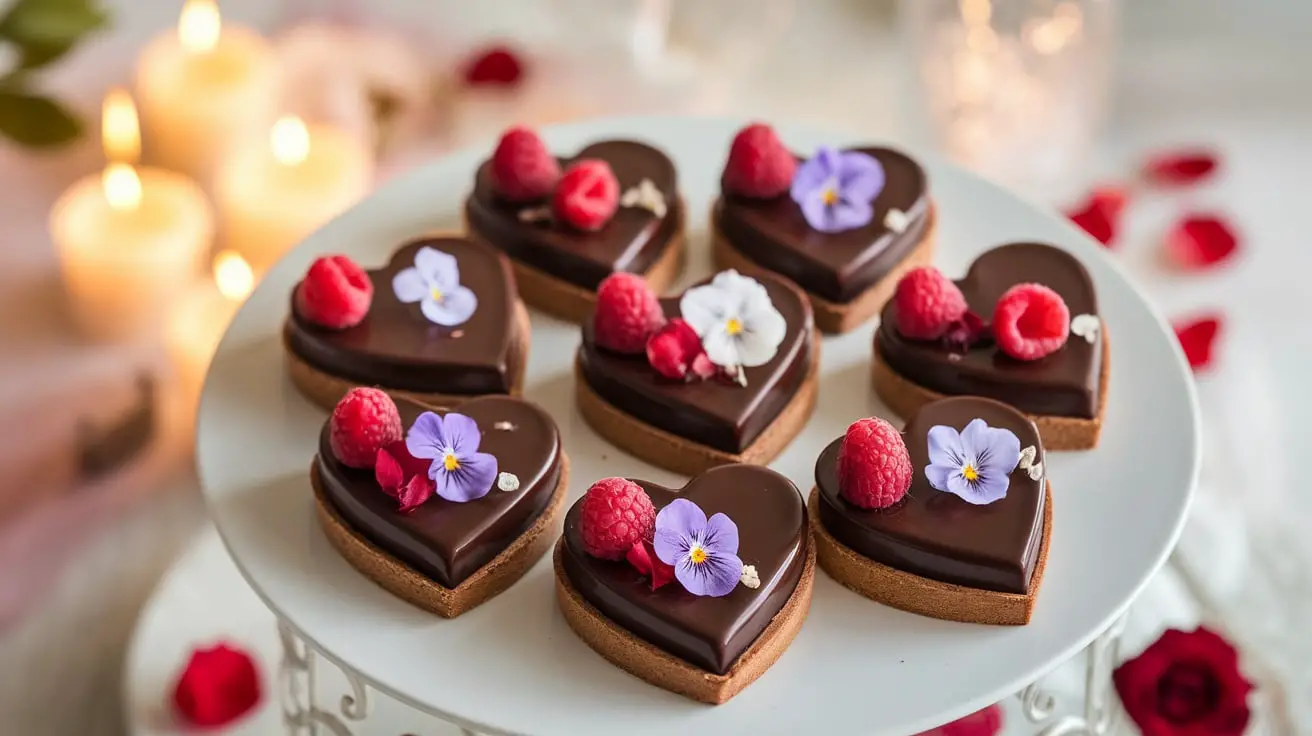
(974, 464)
(460, 472)
(704, 552)
(434, 282)
(835, 189)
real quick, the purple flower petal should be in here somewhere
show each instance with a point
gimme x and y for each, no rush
(455, 308)
(847, 215)
(676, 526)
(720, 535)
(813, 175)
(438, 269)
(958, 485)
(991, 452)
(815, 211)
(470, 481)
(986, 489)
(944, 446)
(937, 475)
(860, 177)
(716, 576)
(462, 435)
(426, 438)
(409, 286)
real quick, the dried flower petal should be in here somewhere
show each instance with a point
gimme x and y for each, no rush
(1180, 168)
(969, 331)
(750, 578)
(508, 482)
(896, 220)
(1200, 241)
(1198, 337)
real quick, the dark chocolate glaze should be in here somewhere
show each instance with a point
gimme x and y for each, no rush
(710, 633)
(1065, 383)
(716, 412)
(934, 534)
(836, 267)
(397, 347)
(442, 540)
(631, 242)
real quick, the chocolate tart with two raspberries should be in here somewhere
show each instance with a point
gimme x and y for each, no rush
(726, 372)
(697, 590)
(442, 508)
(844, 225)
(1021, 327)
(569, 222)
(951, 518)
(440, 322)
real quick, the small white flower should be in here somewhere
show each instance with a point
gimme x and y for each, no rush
(1036, 471)
(1086, 326)
(647, 196)
(750, 578)
(504, 426)
(535, 214)
(508, 482)
(733, 315)
(896, 220)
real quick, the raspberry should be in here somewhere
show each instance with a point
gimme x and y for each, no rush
(523, 169)
(927, 304)
(615, 513)
(759, 165)
(1031, 321)
(587, 196)
(874, 468)
(335, 293)
(363, 422)
(628, 313)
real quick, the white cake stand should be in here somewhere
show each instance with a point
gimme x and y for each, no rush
(513, 666)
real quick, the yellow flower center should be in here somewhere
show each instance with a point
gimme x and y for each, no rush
(697, 555)
(451, 462)
(970, 473)
(437, 294)
(829, 196)
(733, 326)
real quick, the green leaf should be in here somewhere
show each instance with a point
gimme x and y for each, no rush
(46, 25)
(35, 56)
(35, 121)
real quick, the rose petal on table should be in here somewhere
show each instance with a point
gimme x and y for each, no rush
(1186, 682)
(218, 685)
(1180, 167)
(1201, 241)
(1197, 338)
(496, 66)
(985, 722)
(1099, 214)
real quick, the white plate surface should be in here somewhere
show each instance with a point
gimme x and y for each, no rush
(514, 666)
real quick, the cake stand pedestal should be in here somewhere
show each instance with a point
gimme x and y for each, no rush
(304, 715)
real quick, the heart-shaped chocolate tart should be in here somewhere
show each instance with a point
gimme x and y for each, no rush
(559, 267)
(396, 347)
(848, 274)
(705, 647)
(691, 425)
(936, 553)
(1064, 393)
(444, 556)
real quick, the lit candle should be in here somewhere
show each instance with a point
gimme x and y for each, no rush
(205, 90)
(271, 196)
(199, 319)
(129, 240)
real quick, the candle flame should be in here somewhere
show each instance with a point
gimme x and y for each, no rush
(199, 26)
(290, 140)
(120, 132)
(122, 186)
(233, 275)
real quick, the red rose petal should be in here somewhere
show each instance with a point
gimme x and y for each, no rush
(1197, 338)
(1185, 682)
(675, 350)
(985, 722)
(497, 66)
(1180, 168)
(403, 476)
(388, 472)
(416, 491)
(1100, 214)
(1200, 241)
(218, 686)
(642, 556)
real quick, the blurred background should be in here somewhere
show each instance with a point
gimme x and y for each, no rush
(1175, 131)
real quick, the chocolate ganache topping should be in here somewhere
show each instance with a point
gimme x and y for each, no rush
(397, 347)
(837, 267)
(1065, 383)
(630, 242)
(710, 633)
(935, 534)
(449, 541)
(716, 413)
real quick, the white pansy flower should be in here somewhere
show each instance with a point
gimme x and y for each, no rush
(735, 319)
